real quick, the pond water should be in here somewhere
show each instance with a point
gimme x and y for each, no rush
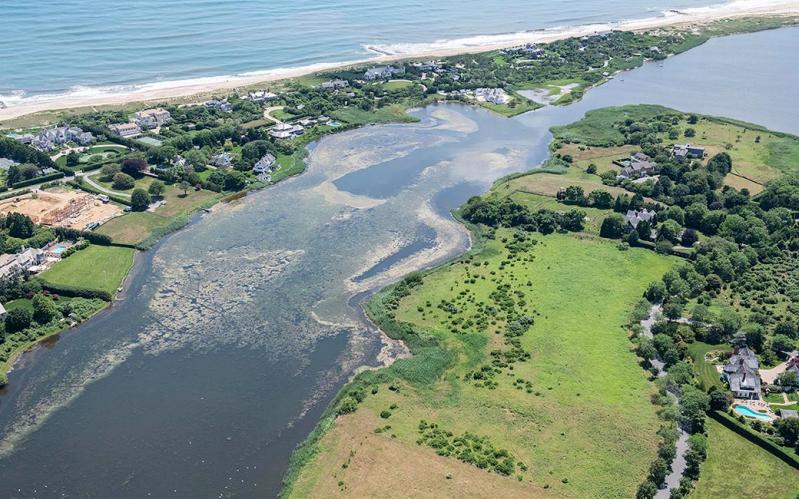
(236, 332)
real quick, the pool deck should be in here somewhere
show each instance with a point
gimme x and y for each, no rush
(757, 406)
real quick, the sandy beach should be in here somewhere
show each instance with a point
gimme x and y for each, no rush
(160, 91)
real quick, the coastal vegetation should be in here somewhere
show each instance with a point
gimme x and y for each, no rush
(531, 331)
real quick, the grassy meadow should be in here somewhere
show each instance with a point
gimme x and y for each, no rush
(561, 413)
(736, 467)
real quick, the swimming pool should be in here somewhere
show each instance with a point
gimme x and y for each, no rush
(745, 411)
(58, 249)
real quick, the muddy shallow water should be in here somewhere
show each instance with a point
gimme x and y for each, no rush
(236, 332)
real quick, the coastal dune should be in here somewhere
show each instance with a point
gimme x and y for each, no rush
(89, 97)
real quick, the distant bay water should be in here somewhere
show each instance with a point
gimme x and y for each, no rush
(69, 46)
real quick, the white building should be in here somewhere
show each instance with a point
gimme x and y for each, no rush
(125, 129)
(492, 95)
(286, 131)
(152, 118)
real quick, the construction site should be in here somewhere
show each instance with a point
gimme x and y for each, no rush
(62, 208)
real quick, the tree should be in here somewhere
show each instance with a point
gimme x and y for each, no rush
(574, 194)
(673, 309)
(134, 166)
(235, 181)
(646, 490)
(156, 189)
(669, 231)
(591, 169)
(682, 373)
(19, 225)
(694, 403)
(781, 343)
(600, 199)
(788, 379)
(197, 159)
(690, 132)
(185, 186)
(689, 238)
(139, 200)
(658, 471)
(788, 429)
(720, 400)
(107, 172)
(73, 159)
(122, 182)
(18, 319)
(720, 163)
(44, 309)
(612, 227)
(655, 292)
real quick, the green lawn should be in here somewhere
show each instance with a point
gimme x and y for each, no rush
(705, 371)
(96, 267)
(737, 468)
(586, 427)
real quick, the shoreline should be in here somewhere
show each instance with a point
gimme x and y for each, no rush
(90, 97)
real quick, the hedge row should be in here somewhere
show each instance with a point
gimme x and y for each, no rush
(45, 178)
(88, 188)
(75, 234)
(734, 425)
(14, 194)
(74, 291)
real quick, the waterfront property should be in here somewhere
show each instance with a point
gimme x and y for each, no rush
(335, 84)
(14, 265)
(152, 118)
(126, 129)
(265, 164)
(383, 72)
(286, 131)
(221, 105)
(496, 96)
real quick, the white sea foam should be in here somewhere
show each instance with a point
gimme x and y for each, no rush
(18, 103)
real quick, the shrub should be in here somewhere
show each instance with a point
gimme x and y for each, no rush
(139, 200)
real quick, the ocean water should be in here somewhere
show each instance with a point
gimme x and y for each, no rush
(63, 46)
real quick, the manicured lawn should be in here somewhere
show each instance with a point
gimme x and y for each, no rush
(19, 303)
(737, 468)
(397, 84)
(537, 202)
(586, 428)
(705, 371)
(96, 267)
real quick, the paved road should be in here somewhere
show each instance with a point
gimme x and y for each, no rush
(87, 178)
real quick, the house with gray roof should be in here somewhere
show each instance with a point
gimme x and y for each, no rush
(383, 72)
(634, 217)
(681, 152)
(742, 374)
(638, 166)
(265, 164)
(333, 84)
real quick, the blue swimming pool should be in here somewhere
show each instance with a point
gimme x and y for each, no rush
(745, 411)
(58, 249)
